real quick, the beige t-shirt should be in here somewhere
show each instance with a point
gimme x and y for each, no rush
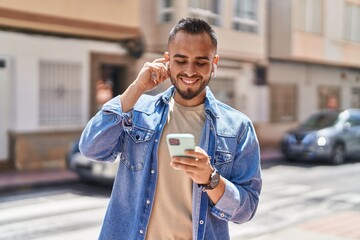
(171, 216)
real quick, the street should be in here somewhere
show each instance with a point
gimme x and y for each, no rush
(292, 193)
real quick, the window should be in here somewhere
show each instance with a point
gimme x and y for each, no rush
(283, 103)
(245, 15)
(208, 10)
(352, 22)
(355, 98)
(309, 15)
(354, 120)
(166, 11)
(329, 97)
(60, 93)
(223, 89)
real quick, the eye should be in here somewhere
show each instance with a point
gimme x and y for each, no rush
(180, 62)
(200, 63)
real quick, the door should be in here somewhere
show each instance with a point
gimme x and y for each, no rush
(4, 108)
(111, 74)
(354, 121)
(110, 84)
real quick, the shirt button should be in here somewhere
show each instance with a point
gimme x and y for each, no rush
(222, 215)
(156, 140)
(201, 222)
(141, 231)
(148, 202)
(152, 171)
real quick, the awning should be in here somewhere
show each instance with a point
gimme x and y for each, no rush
(18, 20)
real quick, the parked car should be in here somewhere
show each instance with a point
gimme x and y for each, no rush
(89, 170)
(326, 135)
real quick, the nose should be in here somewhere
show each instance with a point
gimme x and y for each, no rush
(190, 70)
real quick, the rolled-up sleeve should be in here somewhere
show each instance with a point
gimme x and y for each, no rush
(100, 137)
(240, 199)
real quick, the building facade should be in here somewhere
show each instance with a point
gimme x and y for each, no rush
(242, 46)
(61, 60)
(53, 56)
(314, 61)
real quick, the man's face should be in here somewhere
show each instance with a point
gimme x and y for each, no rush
(191, 64)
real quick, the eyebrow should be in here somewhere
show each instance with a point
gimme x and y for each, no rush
(197, 58)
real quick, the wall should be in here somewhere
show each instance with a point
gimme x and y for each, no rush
(30, 140)
(308, 77)
(26, 52)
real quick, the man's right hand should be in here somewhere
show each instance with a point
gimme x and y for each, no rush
(152, 74)
(149, 77)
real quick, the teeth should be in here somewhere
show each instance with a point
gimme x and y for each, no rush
(189, 81)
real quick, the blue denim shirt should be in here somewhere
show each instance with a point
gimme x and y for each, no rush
(228, 137)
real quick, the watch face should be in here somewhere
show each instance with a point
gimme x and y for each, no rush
(215, 180)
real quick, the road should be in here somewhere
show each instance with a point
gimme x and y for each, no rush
(299, 192)
(292, 193)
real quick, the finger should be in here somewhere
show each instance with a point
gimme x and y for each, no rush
(189, 161)
(159, 71)
(183, 167)
(197, 154)
(160, 60)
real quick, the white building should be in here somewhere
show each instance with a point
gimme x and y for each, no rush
(52, 54)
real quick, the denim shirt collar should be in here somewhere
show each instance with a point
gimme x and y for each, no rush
(210, 100)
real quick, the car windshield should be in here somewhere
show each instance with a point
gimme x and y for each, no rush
(321, 120)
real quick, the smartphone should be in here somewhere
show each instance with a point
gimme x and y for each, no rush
(178, 143)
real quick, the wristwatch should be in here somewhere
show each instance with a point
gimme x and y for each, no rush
(214, 181)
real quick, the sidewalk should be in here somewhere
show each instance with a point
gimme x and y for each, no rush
(342, 225)
(11, 180)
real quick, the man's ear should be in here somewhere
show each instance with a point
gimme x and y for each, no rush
(216, 59)
(215, 62)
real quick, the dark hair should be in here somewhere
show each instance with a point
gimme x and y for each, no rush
(193, 26)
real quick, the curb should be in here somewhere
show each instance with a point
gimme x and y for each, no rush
(10, 181)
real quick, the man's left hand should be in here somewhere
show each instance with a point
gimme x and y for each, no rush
(197, 166)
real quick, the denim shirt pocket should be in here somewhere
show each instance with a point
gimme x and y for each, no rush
(222, 156)
(135, 148)
(224, 153)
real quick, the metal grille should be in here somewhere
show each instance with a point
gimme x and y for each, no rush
(60, 93)
(355, 98)
(223, 89)
(283, 102)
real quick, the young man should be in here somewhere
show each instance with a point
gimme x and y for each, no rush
(158, 197)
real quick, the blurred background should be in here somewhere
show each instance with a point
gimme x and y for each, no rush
(60, 60)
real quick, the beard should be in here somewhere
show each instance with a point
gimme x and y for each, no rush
(189, 93)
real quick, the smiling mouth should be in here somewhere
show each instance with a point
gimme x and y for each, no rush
(189, 81)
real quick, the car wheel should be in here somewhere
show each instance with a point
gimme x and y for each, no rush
(338, 155)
